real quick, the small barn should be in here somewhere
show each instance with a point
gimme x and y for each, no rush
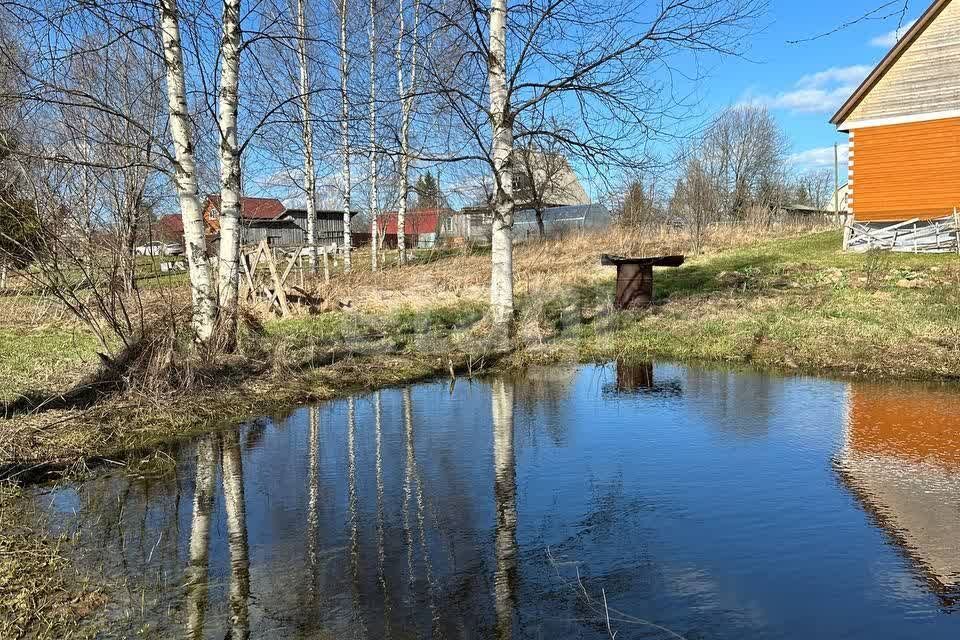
(268, 219)
(329, 225)
(903, 123)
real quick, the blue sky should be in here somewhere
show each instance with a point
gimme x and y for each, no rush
(803, 84)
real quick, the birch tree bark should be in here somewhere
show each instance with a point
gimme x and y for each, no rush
(185, 173)
(372, 107)
(501, 117)
(309, 170)
(229, 162)
(342, 8)
(406, 107)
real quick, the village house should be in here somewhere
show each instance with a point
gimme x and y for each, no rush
(423, 228)
(903, 123)
(268, 219)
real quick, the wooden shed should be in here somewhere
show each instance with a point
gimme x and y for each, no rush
(903, 123)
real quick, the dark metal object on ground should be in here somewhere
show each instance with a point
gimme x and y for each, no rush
(635, 278)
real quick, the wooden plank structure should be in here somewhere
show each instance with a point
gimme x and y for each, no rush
(271, 286)
(635, 278)
(910, 236)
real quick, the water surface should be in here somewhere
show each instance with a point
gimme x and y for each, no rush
(698, 504)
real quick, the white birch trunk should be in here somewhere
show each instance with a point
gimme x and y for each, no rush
(232, 470)
(406, 106)
(372, 104)
(309, 170)
(229, 160)
(501, 276)
(345, 134)
(185, 173)
(196, 574)
(505, 498)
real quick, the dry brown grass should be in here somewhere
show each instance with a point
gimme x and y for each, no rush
(546, 265)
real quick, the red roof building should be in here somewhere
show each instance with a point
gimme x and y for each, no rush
(170, 228)
(250, 209)
(416, 221)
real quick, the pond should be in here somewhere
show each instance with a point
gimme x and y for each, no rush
(574, 502)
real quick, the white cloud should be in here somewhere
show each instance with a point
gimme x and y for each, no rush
(891, 38)
(821, 92)
(819, 158)
(853, 74)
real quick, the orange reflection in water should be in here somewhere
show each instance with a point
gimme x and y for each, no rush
(911, 423)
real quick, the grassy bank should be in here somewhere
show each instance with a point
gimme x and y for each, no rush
(797, 304)
(786, 302)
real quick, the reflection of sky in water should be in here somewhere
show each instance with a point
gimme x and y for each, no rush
(708, 502)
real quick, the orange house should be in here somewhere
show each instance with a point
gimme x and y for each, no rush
(904, 126)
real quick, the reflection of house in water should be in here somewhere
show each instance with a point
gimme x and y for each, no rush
(640, 379)
(902, 461)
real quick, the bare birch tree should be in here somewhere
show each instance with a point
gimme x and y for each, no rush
(374, 198)
(230, 187)
(309, 168)
(601, 67)
(346, 149)
(185, 172)
(406, 90)
(501, 122)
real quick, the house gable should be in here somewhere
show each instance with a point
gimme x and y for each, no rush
(917, 80)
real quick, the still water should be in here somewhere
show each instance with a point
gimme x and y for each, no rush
(696, 503)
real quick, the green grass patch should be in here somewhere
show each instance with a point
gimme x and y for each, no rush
(43, 359)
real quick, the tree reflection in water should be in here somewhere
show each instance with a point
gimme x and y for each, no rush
(197, 569)
(376, 517)
(505, 496)
(232, 467)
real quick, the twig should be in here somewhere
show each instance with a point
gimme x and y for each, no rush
(606, 611)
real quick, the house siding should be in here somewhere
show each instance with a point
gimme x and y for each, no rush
(923, 80)
(905, 171)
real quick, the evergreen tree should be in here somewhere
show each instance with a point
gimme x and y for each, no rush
(428, 193)
(20, 228)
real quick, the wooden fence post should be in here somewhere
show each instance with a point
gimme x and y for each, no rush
(326, 266)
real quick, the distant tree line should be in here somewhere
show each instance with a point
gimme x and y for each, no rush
(737, 170)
